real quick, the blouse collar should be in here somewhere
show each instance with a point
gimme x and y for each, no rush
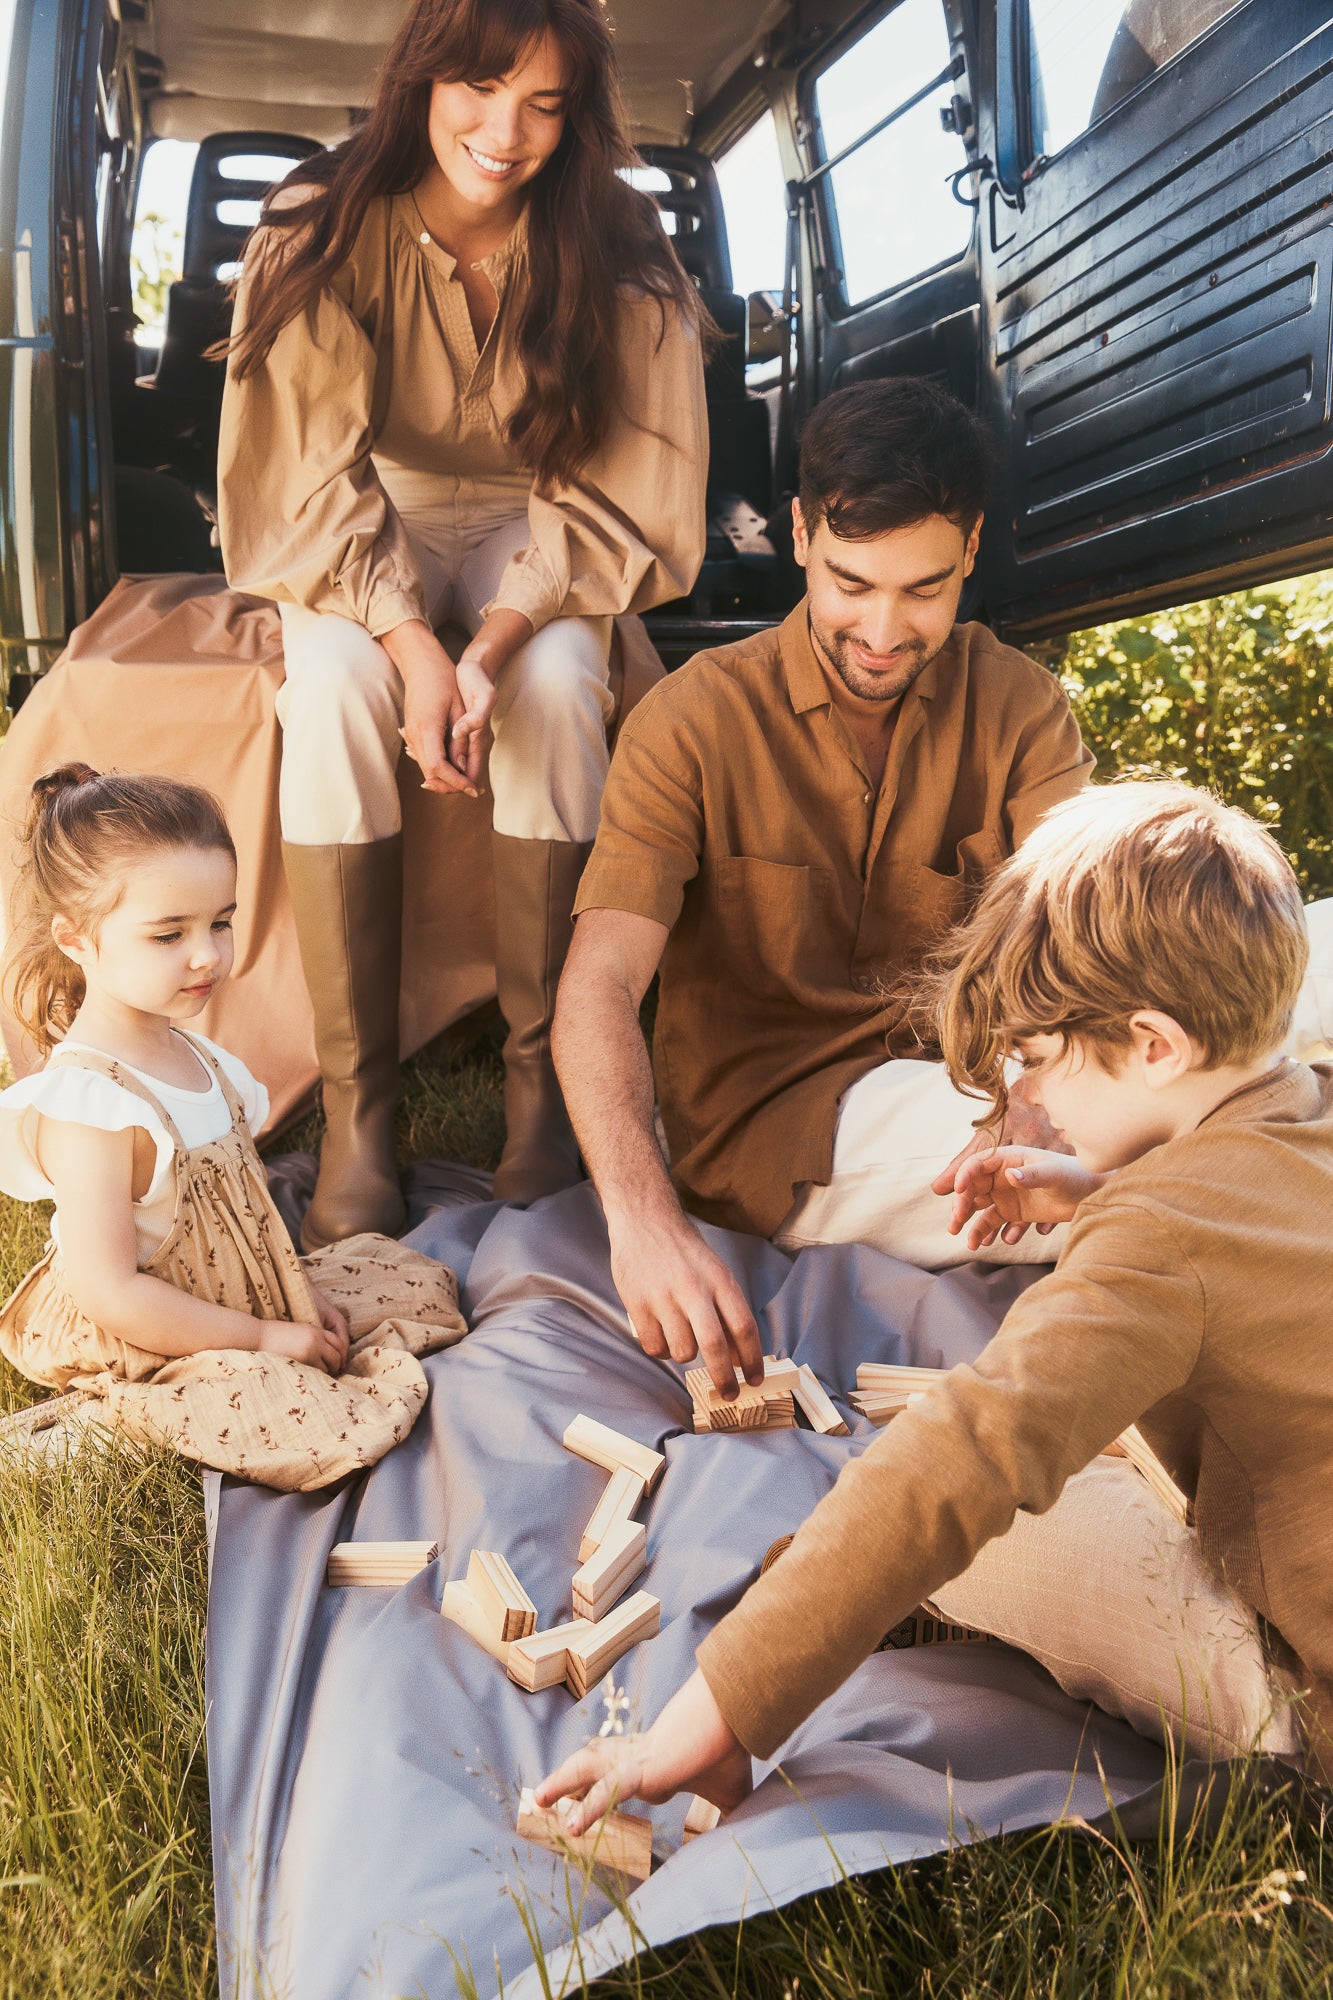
(497, 266)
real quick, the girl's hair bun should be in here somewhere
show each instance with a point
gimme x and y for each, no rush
(53, 784)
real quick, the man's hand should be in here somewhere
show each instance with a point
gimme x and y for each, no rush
(689, 1747)
(681, 1299)
(1013, 1187)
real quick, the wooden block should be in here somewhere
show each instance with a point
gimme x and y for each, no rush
(766, 1409)
(639, 1617)
(500, 1596)
(624, 1491)
(818, 1406)
(378, 1564)
(540, 1660)
(620, 1842)
(600, 1445)
(779, 1380)
(702, 1817)
(896, 1375)
(1135, 1447)
(461, 1608)
(880, 1406)
(608, 1574)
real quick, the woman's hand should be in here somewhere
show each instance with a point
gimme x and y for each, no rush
(689, 1747)
(1013, 1187)
(497, 640)
(314, 1345)
(432, 706)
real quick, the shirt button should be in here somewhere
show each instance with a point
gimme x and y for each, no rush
(425, 236)
(867, 799)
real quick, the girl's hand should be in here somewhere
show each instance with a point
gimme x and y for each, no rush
(314, 1345)
(1013, 1187)
(689, 1747)
(332, 1321)
(431, 704)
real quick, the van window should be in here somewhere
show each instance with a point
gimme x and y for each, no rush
(890, 200)
(754, 201)
(157, 245)
(1088, 54)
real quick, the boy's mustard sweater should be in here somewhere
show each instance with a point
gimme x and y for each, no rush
(1194, 1298)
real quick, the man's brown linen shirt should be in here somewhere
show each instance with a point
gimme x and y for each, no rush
(740, 813)
(1194, 1298)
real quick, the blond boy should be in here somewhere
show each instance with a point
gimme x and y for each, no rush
(1140, 957)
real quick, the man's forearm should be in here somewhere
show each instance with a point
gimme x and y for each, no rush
(602, 1061)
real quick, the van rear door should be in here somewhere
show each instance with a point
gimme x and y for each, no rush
(1156, 250)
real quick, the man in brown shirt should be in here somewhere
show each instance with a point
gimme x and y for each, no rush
(789, 825)
(1142, 957)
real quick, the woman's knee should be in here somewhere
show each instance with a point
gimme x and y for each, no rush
(338, 670)
(560, 677)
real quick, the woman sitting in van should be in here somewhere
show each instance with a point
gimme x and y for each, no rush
(465, 384)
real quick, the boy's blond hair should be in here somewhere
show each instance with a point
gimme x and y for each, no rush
(1135, 895)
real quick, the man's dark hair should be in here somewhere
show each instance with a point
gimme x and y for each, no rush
(885, 455)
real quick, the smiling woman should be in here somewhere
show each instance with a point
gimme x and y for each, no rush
(465, 384)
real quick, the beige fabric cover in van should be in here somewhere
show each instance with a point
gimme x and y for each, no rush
(177, 674)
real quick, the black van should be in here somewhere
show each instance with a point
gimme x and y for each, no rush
(1107, 223)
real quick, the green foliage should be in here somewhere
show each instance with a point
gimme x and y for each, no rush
(1235, 694)
(157, 255)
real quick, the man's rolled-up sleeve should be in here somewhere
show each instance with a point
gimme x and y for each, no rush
(1051, 762)
(650, 838)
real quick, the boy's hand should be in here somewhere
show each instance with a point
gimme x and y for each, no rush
(1025, 1124)
(314, 1345)
(689, 1747)
(334, 1322)
(1014, 1187)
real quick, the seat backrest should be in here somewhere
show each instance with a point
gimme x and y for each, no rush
(222, 210)
(691, 206)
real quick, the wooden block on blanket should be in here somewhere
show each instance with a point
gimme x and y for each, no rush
(896, 1375)
(820, 1411)
(382, 1565)
(461, 1608)
(620, 1842)
(500, 1595)
(624, 1490)
(767, 1408)
(878, 1406)
(608, 1574)
(540, 1660)
(639, 1617)
(702, 1817)
(600, 1445)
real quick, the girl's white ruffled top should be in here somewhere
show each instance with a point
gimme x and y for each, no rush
(82, 1097)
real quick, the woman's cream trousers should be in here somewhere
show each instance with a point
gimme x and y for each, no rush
(341, 704)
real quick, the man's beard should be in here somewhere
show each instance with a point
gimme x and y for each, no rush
(837, 650)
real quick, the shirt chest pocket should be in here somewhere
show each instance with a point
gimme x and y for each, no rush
(779, 923)
(939, 899)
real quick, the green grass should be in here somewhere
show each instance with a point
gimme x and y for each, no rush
(105, 1884)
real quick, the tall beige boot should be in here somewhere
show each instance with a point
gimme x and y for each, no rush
(348, 902)
(535, 883)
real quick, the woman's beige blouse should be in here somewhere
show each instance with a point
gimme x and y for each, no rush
(382, 369)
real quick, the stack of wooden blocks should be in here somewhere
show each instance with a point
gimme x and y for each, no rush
(883, 1388)
(383, 1565)
(492, 1607)
(771, 1406)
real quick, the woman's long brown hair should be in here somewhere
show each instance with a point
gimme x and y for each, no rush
(589, 231)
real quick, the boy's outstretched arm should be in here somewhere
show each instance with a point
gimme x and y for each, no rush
(1080, 1356)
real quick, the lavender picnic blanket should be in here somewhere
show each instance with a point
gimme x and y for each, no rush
(365, 1757)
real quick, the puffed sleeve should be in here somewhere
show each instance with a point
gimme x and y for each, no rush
(71, 1096)
(628, 533)
(302, 515)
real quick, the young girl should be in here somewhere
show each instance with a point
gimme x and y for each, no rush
(466, 386)
(170, 1296)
